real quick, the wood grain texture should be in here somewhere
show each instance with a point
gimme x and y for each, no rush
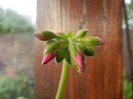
(102, 77)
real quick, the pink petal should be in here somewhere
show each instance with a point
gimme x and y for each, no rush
(47, 57)
(78, 58)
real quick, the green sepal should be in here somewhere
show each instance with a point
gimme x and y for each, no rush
(60, 55)
(61, 35)
(61, 52)
(67, 57)
(91, 41)
(73, 63)
(81, 34)
(51, 47)
(87, 50)
(48, 34)
(80, 49)
(55, 53)
(50, 42)
(69, 34)
(72, 49)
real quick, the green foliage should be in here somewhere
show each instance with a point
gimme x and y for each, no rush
(87, 50)
(61, 53)
(65, 36)
(16, 87)
(127, 87)
(50, 42)
(129, 8)
(81, 33)
(61, 35)
(73, 63)
(67, 57)
(69, 34)
(21, 98)
(48, 34)
(12, 22)
(72, 48)
(91, 41)
(51, 47)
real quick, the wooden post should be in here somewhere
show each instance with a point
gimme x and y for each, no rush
(102, 77)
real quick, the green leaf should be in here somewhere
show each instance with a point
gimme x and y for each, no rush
(88, 51)
(67, 57)
(73, 63)
(50, 42)
(60, 55)
(61, 52)
(81, 33)
(48, 34)
(61, 35)
(72, 49)
(80, 49)
(69, 34)
(56, 51)
(51, 47)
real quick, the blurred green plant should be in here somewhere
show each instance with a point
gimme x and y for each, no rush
(22, 98)
(130, 9)
(130, 14)
(16, 87)
(127, 87)
(12, 22)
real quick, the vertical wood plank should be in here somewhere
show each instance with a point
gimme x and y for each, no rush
(102, 78)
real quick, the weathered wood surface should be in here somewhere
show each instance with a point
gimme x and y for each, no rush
(102, 78)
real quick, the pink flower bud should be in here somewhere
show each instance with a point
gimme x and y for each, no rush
(39, 36)
(79, 60)
(47, 57)
(100, 39)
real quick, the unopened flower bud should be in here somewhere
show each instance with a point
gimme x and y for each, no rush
(39, 36)
(48, 34)
(45, 35)
(47, 57)
(92, 41)
(51, 47)
(79, 60)
(81, 33)
(100, 39)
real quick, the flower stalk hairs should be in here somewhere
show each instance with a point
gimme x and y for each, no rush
(70, 50)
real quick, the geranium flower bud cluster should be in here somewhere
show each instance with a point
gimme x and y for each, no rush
(63, 46)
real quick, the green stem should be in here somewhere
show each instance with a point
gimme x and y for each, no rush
(62, 79)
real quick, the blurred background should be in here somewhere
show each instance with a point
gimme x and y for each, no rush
(17, 23)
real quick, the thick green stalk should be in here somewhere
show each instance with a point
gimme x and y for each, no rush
(62, 79)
